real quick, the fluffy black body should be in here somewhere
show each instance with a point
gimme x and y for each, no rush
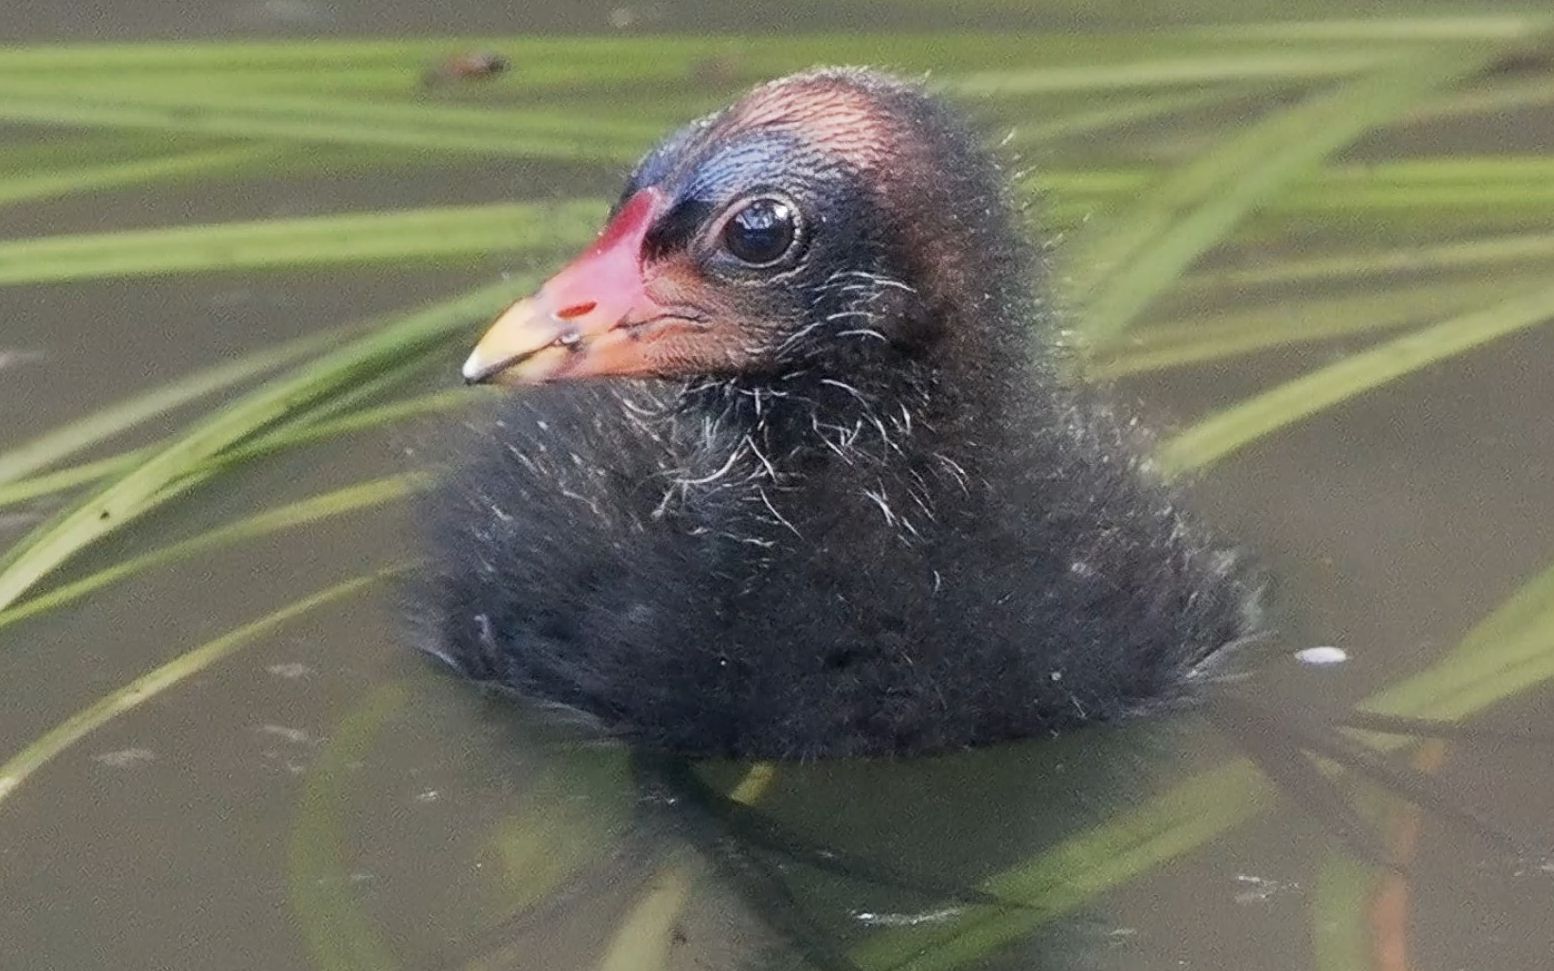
(902, 533)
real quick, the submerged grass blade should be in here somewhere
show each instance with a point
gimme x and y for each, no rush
(1338, 910)
(15, 771)
(328, 505)
(171, 468)
(338, 934)
(68, 439)
(644, 940)
(1240, 425)
(1509, 652)
(467, 231)
(1194, 209)
(1061, 879)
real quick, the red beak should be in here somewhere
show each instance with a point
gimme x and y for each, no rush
(579, 323)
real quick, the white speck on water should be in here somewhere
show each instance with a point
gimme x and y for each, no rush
(1259, 889)
(10, 357)
(125, 758)
(1056, 675)
(296, 736)
(874, 919)
(1321, 657)
(290, 669)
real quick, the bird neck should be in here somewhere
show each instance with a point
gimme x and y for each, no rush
(866, 407)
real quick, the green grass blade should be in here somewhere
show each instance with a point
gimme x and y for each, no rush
(1129, 112)
(1485, 26)
(111, 175)
(1273, 64)
(39, 752)
(183, 107)
(171, 468)
(309, 432)
(1487, 99)
(60, 150)
(1444, 257)
(1512, 647)
(1208, 338)
(1197, 207)
(1436, 201)
(547, 63)
(68, 478)
(304, 512)
(1242, 424)
(320, 54)
(66, 440)
(359, 420)
(462, 231)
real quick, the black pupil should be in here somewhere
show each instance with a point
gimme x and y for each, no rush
(761, 232)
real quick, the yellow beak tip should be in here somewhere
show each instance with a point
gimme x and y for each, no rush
(475, 369)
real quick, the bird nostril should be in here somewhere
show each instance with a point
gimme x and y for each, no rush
(576, 310)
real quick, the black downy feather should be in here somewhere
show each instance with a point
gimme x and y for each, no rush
(906, 533)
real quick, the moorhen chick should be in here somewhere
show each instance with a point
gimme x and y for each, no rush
(849, 505)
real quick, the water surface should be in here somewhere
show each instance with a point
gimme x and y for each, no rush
(324, 799)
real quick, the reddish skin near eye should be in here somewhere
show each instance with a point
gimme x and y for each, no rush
(595, 310)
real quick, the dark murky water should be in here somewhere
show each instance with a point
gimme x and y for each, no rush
(323, 799)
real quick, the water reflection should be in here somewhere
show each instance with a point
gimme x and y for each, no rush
(988, 859)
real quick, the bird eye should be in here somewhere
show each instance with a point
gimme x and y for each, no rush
(761, 233)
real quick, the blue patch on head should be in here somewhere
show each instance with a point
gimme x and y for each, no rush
(714, 172)
(757, 160)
